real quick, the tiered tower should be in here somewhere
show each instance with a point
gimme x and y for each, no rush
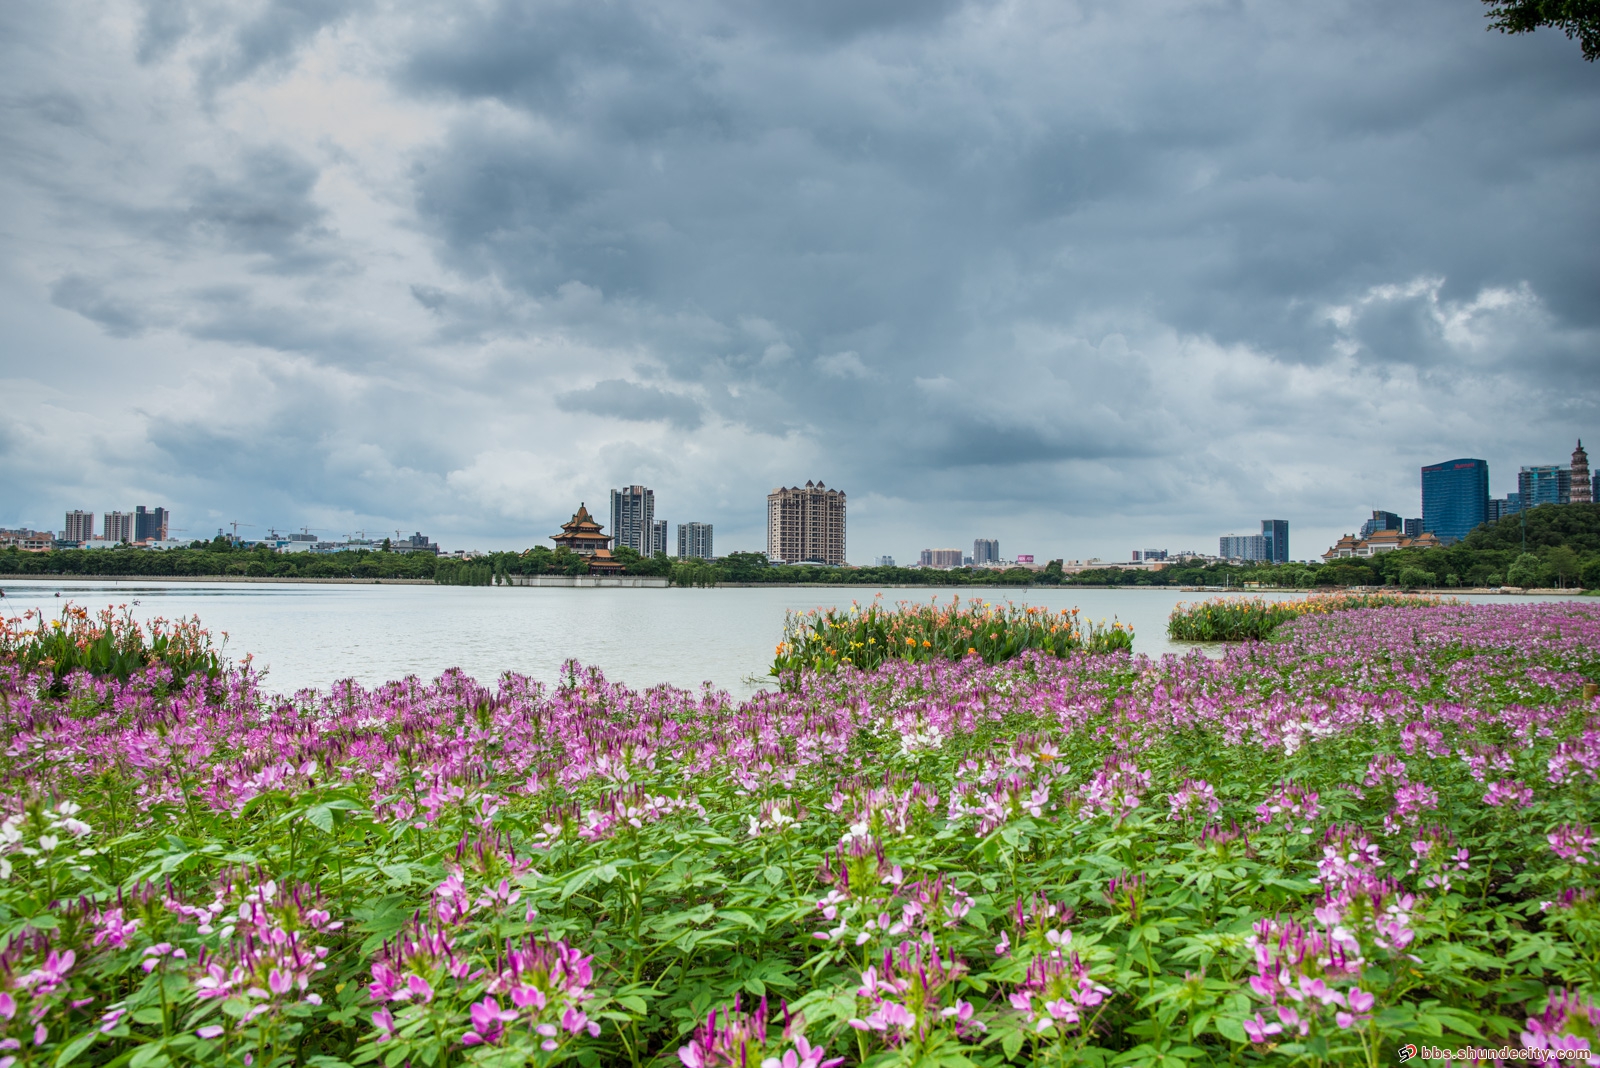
(1582, 490)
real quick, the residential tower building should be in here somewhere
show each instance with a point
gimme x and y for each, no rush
(149, 525)
(80, 526)
(942, 558)
(694, 541)
(806, 524)
(1242, 547)
(633, 520)
(118, 527)
(1455, 498)
(985, 551)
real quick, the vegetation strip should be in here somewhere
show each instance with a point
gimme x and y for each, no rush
(1375, 830)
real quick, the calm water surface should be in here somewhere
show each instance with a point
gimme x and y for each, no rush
(307, 635)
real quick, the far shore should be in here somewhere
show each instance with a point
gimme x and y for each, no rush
(134, 580)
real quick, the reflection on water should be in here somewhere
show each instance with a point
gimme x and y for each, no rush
(309, 635)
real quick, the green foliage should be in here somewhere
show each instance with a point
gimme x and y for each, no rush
(1413, 577)
(1576, 526)
(1164, 835)
(1235, 619)
(107, 645)
(1578, 19)
(826, 639)
(1524, 571)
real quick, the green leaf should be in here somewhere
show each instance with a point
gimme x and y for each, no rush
(634, 1003)
(399, 874)
(1231, 1029)
(1012, 1043)
(151, 1055)
(321, 817)
(70, 1051)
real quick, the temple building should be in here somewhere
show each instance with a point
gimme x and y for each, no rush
(582, 535)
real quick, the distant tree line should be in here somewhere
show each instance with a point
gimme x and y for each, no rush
(1551, 545)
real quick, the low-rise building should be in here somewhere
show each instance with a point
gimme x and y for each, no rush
(1382, 541)
(29, 541)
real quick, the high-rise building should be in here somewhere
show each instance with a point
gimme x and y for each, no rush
(1243, 546)
(658, 538)
(633, 520)
(150, 525)
(1455, 498)
(1380, 521)
(1413, 528)
(694, 541)
(806, 524)
(885, 561)
(986, 551)
(80, 526)
(118, 526)
(940, 558)
(1582, 491)
(1544, 484)
(1275, 532)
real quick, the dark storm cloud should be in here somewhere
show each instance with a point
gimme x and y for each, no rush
(629, 400)
(263, 207)
(1164, 259)
(232, 48)
(120, 318)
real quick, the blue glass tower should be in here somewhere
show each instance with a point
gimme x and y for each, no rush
(1455, 498)
(1276, 534)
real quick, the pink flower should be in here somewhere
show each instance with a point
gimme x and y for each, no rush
(1259, 1028)
(210, 1031)
(488, 1023)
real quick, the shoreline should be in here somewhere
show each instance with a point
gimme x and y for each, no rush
(1477, 591)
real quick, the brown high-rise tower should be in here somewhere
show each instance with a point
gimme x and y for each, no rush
(805, 524)
(1582, 490)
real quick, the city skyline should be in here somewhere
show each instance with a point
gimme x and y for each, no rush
(1059, 272)
(634, 505)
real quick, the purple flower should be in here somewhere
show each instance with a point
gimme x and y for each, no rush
(488, 1023)
(1260, 1028)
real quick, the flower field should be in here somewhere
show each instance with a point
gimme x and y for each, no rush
(829, 638)
(1236, 619)
(1377, 829)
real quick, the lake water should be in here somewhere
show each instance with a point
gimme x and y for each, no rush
(309, 635)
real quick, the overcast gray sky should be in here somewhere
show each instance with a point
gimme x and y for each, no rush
(1084, 277)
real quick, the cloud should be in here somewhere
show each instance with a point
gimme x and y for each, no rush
(1077, 274)
(842, 365)
(618, 399)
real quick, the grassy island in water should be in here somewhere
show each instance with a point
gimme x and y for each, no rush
(998, 838)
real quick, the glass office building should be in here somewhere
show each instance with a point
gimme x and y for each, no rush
(1545, 484)
(1275, 532)
(1455, 498)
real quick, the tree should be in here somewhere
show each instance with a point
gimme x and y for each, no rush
(1578, 19)
(1524, 571)
(1413, 577)
(1563, 562)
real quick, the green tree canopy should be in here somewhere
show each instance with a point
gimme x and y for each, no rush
(1578, 19)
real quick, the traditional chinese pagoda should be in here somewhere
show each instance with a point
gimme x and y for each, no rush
(582, 535)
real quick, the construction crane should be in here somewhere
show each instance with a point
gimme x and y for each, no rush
(235, 524)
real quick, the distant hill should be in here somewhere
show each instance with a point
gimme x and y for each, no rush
(1576, 526)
